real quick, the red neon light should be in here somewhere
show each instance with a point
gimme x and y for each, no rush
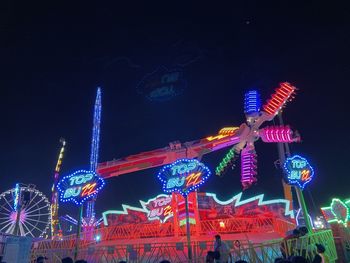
(88, 189)
(305, 175)
(193, 179)
(279, 98)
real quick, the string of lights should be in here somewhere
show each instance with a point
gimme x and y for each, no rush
(54, 193)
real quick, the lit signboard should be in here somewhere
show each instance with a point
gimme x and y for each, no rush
(159, 208)
(299, 171)
(183, 176)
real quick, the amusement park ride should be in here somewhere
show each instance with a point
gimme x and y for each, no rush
(241, 139)
(156, 229)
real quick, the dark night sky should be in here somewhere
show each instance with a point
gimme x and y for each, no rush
(53, 56)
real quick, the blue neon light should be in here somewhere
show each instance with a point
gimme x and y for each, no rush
(252, 102)
(16, 197)
(174, 176)
(299, 171)
(70, 187)
(95, 142)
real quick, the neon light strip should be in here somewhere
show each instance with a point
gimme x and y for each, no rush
(260, 198)
(54, 193)
(16, 198)
(95, 143)
(298, 215)
(252, 102)
(276, 134)
(279, 98)
(228, 131)
(225, 161)
(248, 166)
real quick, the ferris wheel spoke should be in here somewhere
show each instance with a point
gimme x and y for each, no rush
(7, 202)
(7, 226)
(34, 226)
(5, 218)
(28, 230)
(31, 200)
(36, 215)
(11, 229)
(39, 221)
(40, 208)
(5, 222)
(30, 207)
(36, 204)
(21, 230)
(3, 207)
(3, 213)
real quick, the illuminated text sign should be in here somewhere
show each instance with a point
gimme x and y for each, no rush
(80, 186)
(299, 171)
(159, 208)
(183, 176)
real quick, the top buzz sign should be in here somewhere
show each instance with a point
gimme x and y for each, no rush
(299, 171)
(80, 186)
(183, 176)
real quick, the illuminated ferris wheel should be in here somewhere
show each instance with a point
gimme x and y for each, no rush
(24, 211)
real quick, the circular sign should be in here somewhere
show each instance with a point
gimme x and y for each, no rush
(183, 176)
(299, 171)
(80, 186)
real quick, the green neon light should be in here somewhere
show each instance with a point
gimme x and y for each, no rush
(260, 198)
(341, 203)
(236, 198)
(191, 220)
(225, 162)
(332, 221)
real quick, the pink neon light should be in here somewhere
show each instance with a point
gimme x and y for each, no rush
(279, 98)
(248, 167)
(277, 134)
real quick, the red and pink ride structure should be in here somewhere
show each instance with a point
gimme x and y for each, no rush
(163, 216)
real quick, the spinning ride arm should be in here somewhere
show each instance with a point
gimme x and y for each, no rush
(226, 137)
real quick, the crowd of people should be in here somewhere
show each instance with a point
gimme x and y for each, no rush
(222, 253)
(297, 254)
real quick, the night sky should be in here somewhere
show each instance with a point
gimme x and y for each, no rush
(55, 55)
